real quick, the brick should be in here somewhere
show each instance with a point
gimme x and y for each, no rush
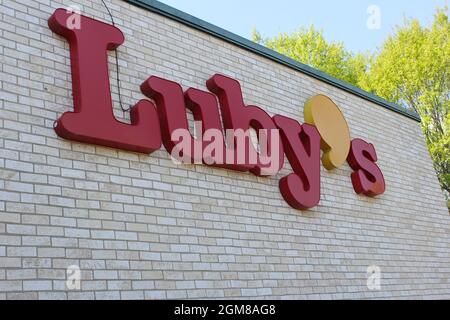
(7, 262)
(77, 233)
(34, 198)
(37, 285)
(35, 240)
(22, 296)
(19, 166)
(73, 173)
(21, 229)
(132, 295)
(61, 221)
(155, 295)
(21, 274)
(36, 263)
(107, 295)
(21, 251)
(105, 274)
(6, 286)
(51, 252)
(87, 295)
(52, 295)
(20, 187)
(9, 196)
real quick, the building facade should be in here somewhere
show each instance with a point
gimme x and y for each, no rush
(85, 221)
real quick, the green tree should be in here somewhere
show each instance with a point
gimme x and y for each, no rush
(310, 47)
(411, 69)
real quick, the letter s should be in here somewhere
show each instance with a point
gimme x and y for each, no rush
(367, 177)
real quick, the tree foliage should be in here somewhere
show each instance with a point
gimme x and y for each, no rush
(310, 47)
(412, 69)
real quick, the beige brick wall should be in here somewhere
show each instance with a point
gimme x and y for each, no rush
(140, 226)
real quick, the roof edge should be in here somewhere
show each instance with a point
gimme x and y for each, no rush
(196, 23)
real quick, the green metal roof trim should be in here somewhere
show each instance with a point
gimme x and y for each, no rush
(187, 19)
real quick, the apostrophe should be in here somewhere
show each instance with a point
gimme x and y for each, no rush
(323, 113)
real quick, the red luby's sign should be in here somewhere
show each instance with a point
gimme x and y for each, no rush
(161, 121)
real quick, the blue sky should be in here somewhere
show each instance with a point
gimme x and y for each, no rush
(341, 20)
